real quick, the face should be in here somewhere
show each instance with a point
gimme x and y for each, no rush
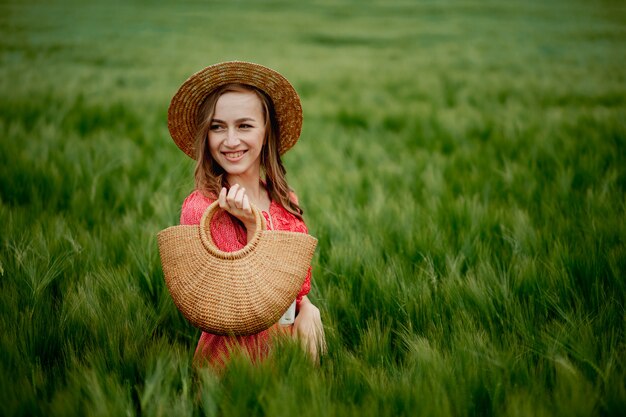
(237, 132)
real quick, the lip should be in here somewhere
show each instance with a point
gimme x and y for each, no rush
(234, 156)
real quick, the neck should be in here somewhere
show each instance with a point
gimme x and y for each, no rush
(254, 189)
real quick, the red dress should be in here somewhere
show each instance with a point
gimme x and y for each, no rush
(229, 235)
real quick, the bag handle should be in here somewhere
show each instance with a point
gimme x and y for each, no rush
(207, 239)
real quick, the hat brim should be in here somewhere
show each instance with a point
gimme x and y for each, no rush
(183, 111)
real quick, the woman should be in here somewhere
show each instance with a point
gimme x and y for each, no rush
(236, 119)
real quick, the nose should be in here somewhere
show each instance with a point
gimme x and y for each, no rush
(232, 140)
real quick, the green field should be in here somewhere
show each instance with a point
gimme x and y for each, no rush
(462, 163)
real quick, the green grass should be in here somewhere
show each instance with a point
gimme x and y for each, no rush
(462, 163)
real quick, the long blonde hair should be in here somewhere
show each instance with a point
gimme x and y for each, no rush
(210, 176)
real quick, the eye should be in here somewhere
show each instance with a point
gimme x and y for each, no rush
(215, 127)
(245, 126)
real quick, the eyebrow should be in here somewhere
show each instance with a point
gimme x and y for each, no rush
(243, 119)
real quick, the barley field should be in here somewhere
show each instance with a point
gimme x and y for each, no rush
(462, 163)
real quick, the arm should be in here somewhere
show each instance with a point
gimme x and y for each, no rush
(308, 326)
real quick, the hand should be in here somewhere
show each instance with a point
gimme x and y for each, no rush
(236, 202)
(309, 330)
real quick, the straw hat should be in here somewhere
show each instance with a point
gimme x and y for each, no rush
(183, 110)
(234, 293)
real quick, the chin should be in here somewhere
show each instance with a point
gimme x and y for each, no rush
(235, 170)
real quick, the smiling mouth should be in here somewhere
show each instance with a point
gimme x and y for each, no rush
(233, 155)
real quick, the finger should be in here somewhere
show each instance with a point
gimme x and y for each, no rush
(315, 341)
(307, 340)
(321, 341)
(323, 346)
(239, 197)
(313, 348)
(232, 193)
(246, 205)
(222, 198)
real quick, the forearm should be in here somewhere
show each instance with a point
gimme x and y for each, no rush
(250, 229)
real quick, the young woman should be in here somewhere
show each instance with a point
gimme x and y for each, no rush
(236, 119)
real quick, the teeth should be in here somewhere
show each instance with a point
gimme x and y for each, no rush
(233, 155)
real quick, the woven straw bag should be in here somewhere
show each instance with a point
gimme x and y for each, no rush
(233, 293)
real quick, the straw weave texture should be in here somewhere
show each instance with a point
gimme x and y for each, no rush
(183, 111)
(233, 293)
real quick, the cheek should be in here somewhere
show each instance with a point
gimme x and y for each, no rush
(212, 142)
(213, 147)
